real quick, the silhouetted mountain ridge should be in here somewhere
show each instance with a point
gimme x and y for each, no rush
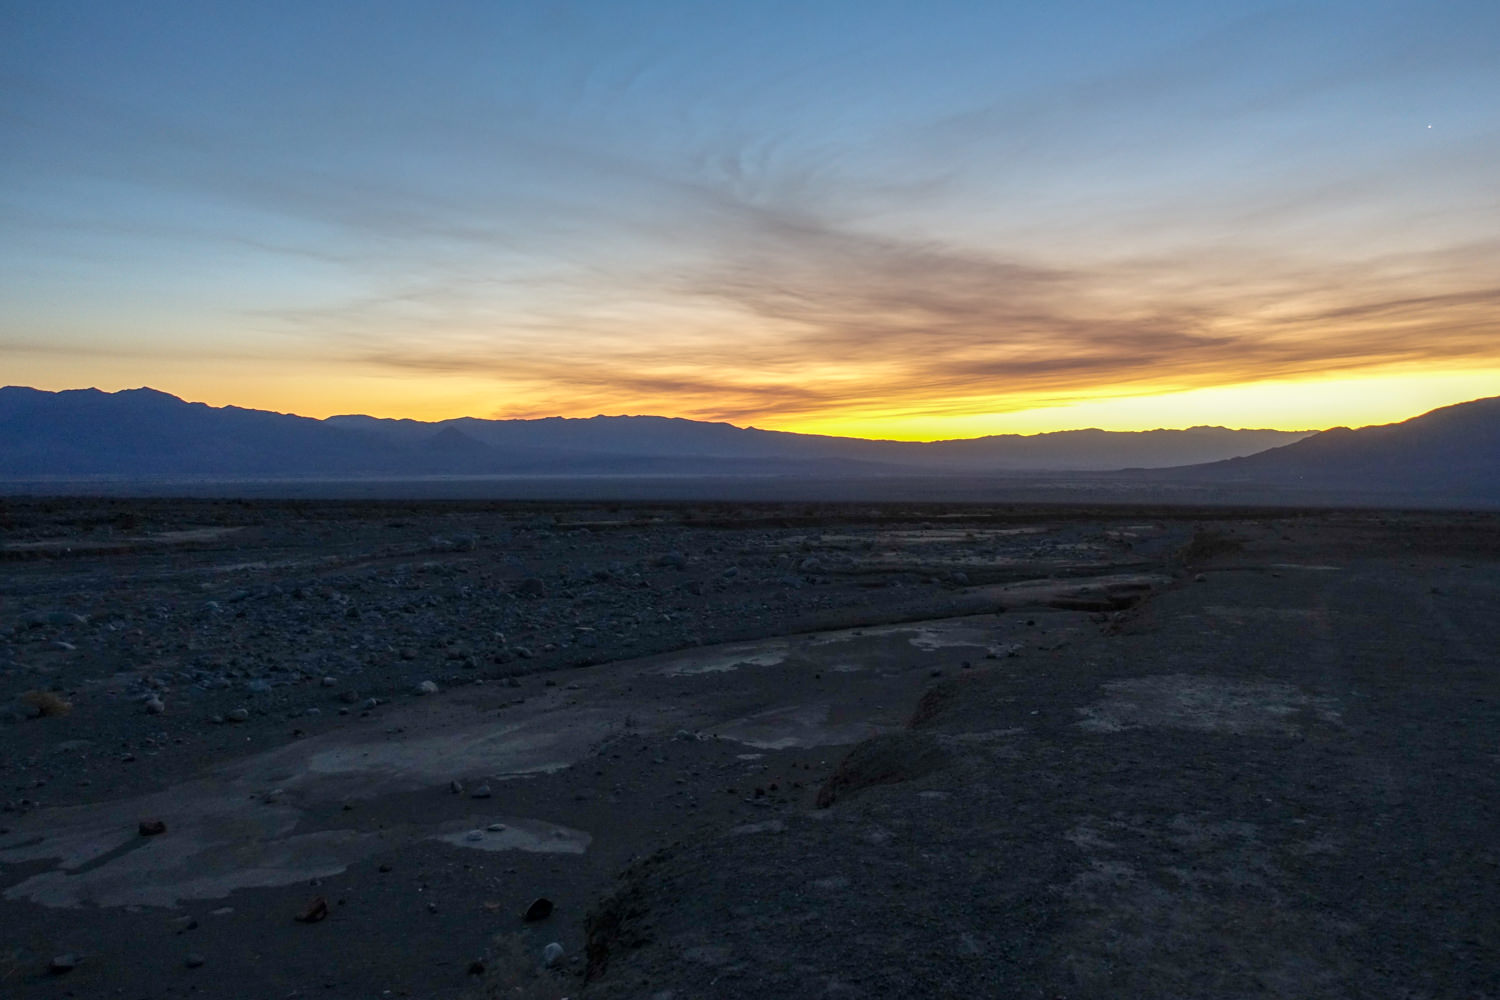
(1452, 450)
(144, 432)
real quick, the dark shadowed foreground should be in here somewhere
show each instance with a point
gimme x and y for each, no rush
(343, 750)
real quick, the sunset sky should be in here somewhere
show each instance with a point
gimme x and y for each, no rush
(911, 220)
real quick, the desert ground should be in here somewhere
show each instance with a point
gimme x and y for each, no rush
(676, 750)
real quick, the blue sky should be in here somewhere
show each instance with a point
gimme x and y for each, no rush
(899, 219)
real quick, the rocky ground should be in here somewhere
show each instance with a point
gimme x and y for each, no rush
(745, 750)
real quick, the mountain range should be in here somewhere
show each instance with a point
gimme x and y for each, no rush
(147, 432)
(1454, 450)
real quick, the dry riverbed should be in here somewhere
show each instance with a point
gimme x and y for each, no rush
(745, 750)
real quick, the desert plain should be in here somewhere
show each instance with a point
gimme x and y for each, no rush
(402, 749)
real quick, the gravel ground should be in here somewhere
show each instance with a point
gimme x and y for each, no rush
(1279, 780)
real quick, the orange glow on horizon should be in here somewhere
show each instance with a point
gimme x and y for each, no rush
(1304, 404)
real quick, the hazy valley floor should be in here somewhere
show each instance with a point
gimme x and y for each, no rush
(1059, 752)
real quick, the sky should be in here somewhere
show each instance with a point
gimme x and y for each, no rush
(907, 220)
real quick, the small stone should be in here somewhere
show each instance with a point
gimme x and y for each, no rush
(155, 706)
(474, 835)
(552, 955)
(427, 687)
(194, 961)
(62, 963)
(185, 924)
(1200, 578)
(239, 715)
(329, 682)
(482, 792)
(540, 909)
(456, 787)
(313, 911)
(496, 828)
(152, 827)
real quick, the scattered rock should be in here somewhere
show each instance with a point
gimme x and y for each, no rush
(46, 703)
(194, 961)
(552, 955)
(427, 687)
(672, 560)
(239, 715)
(155, 706)
(152, 827)
(456, 787)
(482, 792)
(56, 618)
(329, 682)
(474, 835)
(62, 963)
(314, 911)
(540, 909)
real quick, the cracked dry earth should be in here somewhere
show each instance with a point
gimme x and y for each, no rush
(750, 751)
